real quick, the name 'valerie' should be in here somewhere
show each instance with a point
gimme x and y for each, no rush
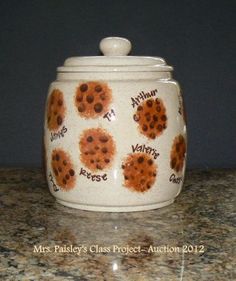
(142, 96)
(145, 148)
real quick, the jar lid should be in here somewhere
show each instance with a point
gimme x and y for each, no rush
(115, 59)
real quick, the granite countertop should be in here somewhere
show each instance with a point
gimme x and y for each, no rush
(35, 231)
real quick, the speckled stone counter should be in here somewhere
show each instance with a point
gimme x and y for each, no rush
(192, 239)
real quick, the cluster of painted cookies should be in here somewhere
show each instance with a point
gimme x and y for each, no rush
(92, 100)
(97, 147)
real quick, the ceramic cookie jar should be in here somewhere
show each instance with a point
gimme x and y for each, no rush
(115, 132)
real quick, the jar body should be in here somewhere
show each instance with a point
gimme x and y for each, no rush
(115, 145)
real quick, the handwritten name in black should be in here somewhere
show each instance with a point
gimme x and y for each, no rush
(59, 134)
(146, 149)
(110, 115)
(174, 179)
(93, 177)
(142, 96)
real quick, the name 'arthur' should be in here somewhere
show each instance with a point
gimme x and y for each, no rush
(142, 96)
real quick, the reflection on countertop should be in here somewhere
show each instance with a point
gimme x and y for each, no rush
(192, 239)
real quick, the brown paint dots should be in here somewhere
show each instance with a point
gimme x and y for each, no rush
(79, 98)
(149, 103)
(101, 147)
(92, 99)
(72, 172)
(140, 159)
(152, 136)
(55, 110)
(145, 128)
(159, 128)
(155, 118)
(103, 138)
(98, 88)
(152, 125)
(98, 107)
(60, 102)
(81, 107)
(83, 88)
(151, 118)
(163, 118)
(89, 99)
(136, 117)
(178, 154)
(63, 169)
(104, 150)
(89, 139)
(139, 171)
(59, 120)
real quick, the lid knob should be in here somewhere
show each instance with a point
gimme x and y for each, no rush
(115, 46)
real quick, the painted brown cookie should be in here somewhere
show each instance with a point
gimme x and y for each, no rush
(97, 149)
(63, 169)
(178, 153)
(139, 172)
(151, 117)
(55, 110)
(92, 99)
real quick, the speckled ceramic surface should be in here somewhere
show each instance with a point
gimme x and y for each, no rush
(204, 215)
(115, 132)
